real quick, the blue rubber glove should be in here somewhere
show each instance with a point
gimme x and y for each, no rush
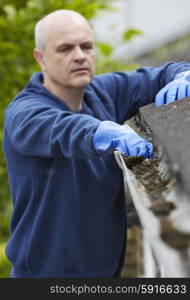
(177, 89)
(111, 136)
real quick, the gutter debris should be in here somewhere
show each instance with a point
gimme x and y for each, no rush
(168, 201)
(146, 172)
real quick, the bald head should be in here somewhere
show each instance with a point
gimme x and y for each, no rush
(52, 22)
(65, 52)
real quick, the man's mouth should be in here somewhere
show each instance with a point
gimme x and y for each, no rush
(80, 70)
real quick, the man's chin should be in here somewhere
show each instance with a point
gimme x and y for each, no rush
(81, 83)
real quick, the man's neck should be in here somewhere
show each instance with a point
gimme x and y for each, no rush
(73, 97)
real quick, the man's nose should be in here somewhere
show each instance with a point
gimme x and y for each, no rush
(79, 54)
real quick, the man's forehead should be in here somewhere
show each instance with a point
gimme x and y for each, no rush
(63, 31)
(63, 25)
(63, 39)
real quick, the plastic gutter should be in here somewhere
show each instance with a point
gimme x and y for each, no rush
(166, 238)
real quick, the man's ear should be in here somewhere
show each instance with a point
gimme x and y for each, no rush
(39, 57)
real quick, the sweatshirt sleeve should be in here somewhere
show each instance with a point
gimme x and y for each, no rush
(130, 90)
(36, 129)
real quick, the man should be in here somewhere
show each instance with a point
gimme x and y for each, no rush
(60, 132)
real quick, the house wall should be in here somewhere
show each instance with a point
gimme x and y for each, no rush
(160, 21)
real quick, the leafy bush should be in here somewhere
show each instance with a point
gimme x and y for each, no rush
(5, 265)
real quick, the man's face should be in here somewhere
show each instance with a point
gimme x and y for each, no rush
(69, 56)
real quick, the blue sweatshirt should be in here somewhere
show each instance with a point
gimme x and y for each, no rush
(69, 217)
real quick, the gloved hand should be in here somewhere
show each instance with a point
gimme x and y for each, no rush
(111, 136)
(175, 90)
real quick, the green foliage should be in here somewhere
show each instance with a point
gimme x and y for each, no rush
(5, 265)
(128, 35)
(106, 61)
(105, 49)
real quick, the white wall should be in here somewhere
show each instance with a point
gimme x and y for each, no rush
(160, 21)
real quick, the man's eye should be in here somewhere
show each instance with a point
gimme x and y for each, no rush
(87, 47)
(64, 49)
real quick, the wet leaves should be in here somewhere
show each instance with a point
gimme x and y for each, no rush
(146, 171)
